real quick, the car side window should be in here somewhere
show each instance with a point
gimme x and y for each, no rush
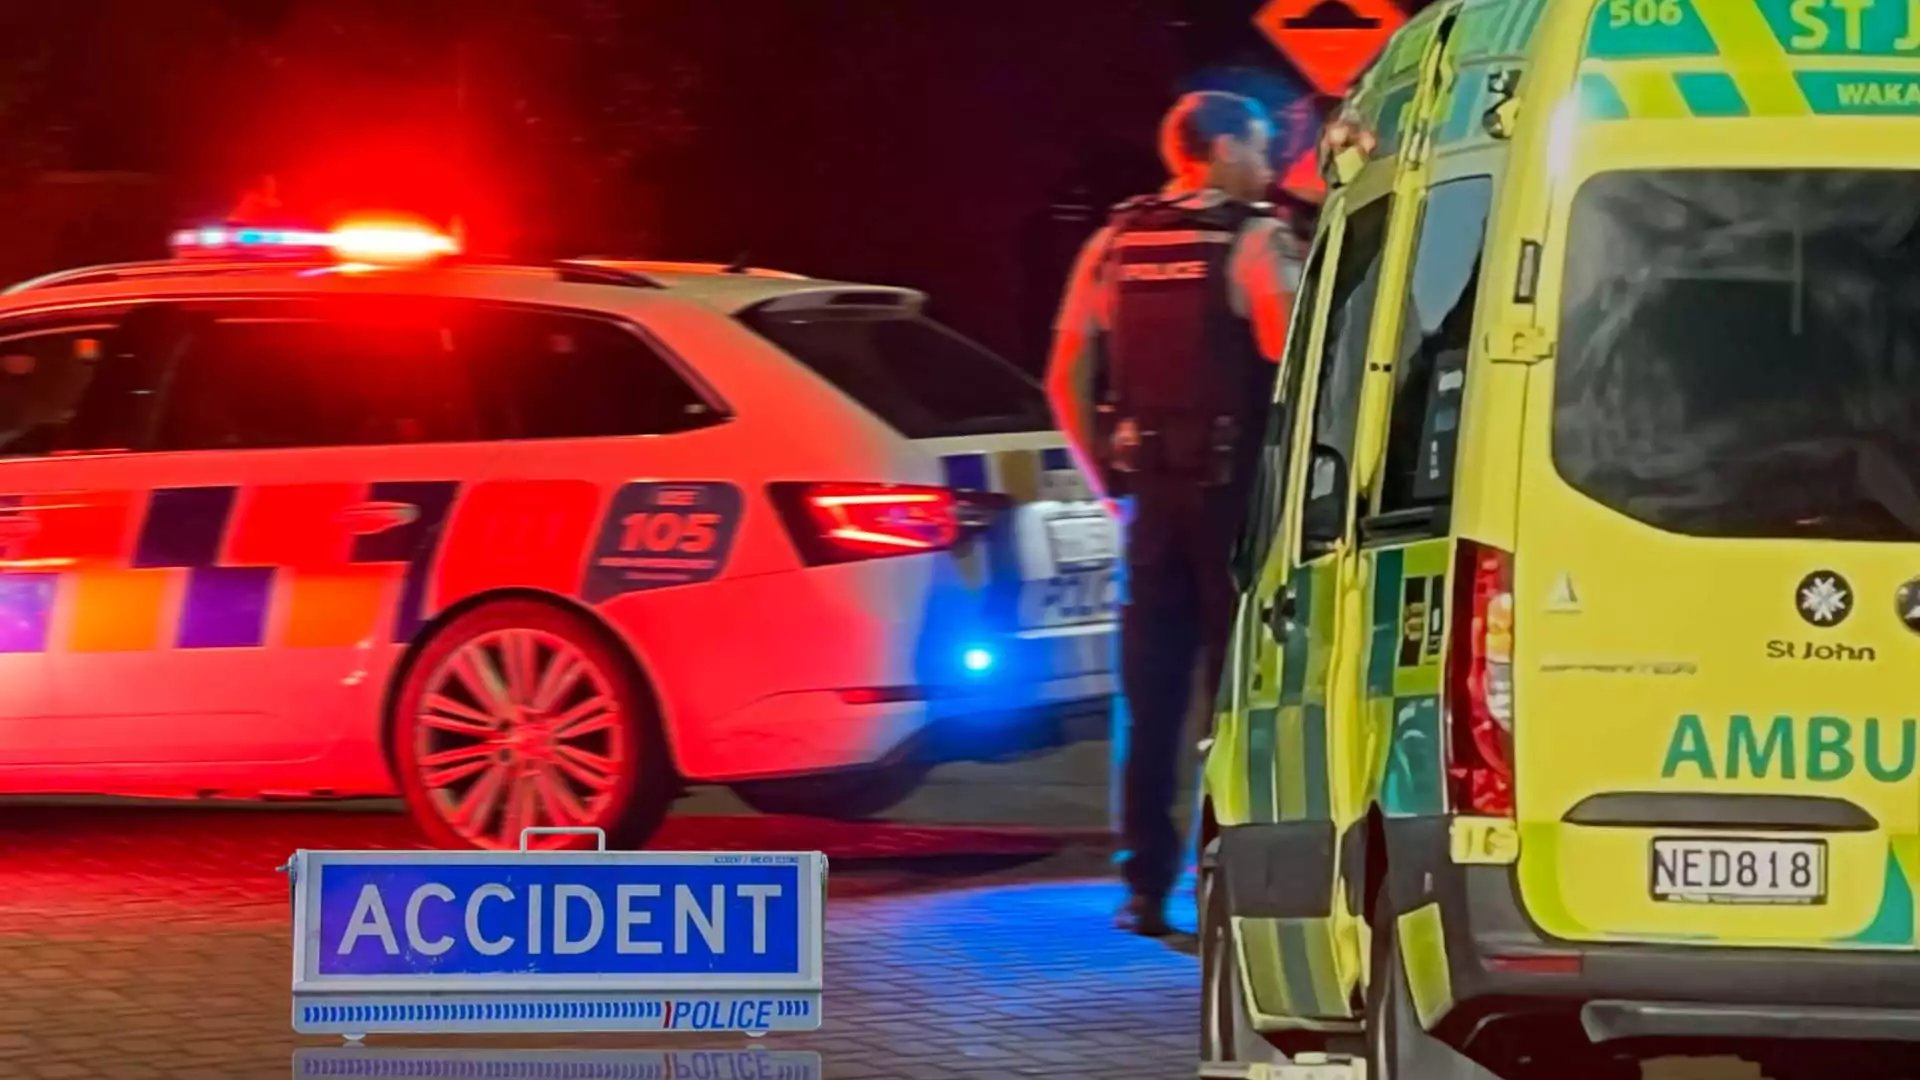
(1430, 369)
(58, 380)
(557, 375)
(364, 372)
(1276, 449)
(1343, 355)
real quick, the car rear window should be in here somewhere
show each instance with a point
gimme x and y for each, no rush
(918, 376)
(1740, 351)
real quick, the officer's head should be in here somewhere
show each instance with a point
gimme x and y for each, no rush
(1212, 139)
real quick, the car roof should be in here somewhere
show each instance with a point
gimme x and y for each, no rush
(687, 313)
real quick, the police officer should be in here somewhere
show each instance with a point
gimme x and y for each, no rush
(1162, 371)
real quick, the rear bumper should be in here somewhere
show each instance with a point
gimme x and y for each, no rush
(762, 676)
(1669, 991)
(1500, 966)
(1020, 702)
(815, 732)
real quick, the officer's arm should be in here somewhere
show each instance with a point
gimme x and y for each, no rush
(1070, 368)
(1265, 275)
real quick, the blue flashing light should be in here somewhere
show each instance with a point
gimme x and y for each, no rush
(370, 241)
(249, 242)
(977, 660)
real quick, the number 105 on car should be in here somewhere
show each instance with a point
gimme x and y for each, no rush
(1702, 871)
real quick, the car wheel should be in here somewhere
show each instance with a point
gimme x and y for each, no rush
(846, 796)
(1227, 1033)
(519, 714)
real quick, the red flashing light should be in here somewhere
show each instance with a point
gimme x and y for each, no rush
(380, 242)
(1480, 698)
(833, 523)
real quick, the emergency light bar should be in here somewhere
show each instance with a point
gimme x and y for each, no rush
(362, 243)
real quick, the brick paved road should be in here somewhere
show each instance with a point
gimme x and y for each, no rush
(152, 943)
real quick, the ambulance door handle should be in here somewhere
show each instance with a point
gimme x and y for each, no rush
(1280, 614)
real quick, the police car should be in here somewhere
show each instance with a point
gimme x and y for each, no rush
(344, 513)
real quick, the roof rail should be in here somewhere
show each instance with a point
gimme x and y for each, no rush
(664, 266)
(568, 271)
(100, 275)
(581, 272)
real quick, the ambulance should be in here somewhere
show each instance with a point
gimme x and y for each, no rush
(1571, 715)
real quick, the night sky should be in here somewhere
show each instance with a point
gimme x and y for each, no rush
(929, 143)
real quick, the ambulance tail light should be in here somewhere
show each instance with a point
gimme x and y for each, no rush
(838, 523)
(1480, 682)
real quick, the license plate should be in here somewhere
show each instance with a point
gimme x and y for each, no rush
(1698, 871)
(1082, 542)
(1071, 599)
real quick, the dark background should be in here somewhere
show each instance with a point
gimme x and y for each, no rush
(965, 148)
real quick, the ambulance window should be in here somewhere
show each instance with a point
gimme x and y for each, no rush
(369, 373)
(1343, 355)
(1270, 484)
(549, 375)
(1739, 351)
(48, 372)
(1431, 366)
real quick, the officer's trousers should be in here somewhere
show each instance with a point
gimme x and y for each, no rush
(1175, 627)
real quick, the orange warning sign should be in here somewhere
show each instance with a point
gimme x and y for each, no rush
(1329, 41)
(1303, 180)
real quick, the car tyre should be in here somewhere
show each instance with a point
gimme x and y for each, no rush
(520, 713)
(845, 796)
(1227, 1033)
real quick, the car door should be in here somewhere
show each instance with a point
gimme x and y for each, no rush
(1404, 533)
(54, 532)
(1313, 617)
(1241, 763)
(300, 462)
(1265, 556)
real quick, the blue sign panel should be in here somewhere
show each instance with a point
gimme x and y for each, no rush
(556, 941)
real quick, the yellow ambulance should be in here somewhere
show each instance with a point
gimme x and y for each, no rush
(1571, 714)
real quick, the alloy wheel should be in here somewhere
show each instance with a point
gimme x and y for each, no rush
(520, 728)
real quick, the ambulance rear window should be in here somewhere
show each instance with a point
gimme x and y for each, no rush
(1740, 351)
(918, 376)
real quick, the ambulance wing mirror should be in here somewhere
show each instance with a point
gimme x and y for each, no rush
(1323, 521)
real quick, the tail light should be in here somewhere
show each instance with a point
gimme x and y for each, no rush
(1480, 682)
(837, 523)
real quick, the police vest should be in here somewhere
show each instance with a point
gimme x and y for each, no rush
(1179, 360)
